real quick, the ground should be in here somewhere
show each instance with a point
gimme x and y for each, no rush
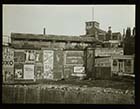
(115, 83)
(113, 91)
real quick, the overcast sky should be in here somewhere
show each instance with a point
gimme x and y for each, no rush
(65, 19)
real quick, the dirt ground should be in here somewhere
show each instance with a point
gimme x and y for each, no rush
(120, 84)
(115, 83)
(72, 90)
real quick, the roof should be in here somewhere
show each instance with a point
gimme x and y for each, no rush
(100, 30)
(116, 33)
(92, 22)
(123, 57)
(39, 37)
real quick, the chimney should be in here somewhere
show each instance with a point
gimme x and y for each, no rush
(123, 33)
(109, 33)
(44, 31)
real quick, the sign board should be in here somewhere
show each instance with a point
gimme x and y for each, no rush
(79, 69)
(28, 71)
(108, 51)
(74, 57)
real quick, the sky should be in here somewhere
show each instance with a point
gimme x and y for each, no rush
(65, 19)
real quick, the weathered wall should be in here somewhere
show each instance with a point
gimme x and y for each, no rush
(102, 62)
(65, 94)
(73, 61)
(108, 51)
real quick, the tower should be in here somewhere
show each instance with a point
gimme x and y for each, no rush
(91, 26)
(110, 33)
(44, 31)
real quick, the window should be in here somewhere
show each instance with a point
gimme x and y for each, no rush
(114, 62)
(128, 62)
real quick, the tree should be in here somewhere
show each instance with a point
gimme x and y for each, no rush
(129, 43)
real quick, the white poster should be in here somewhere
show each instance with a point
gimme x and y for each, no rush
(48, 64)
(79, 69)
(28, 71)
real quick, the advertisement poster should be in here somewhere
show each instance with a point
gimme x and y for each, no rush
(18, 74)
(74, 57)
(8, 74)
(33, 56)
(79, 69)
(30, 55)
(48, 64)
(38, 71)
(18, 68)
(19, 56)
(8, 57)
(28, 71)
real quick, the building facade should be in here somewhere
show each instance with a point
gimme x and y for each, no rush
(52, 57)
(122, 65)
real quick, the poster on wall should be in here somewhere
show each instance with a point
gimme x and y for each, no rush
(8, 74)
(8, 57)
(48, 64)
(39, 56)
(38, 71)
(18, 74)
(19, 56)
(8, 53)
(79, 69)
(18, 71)
(30, 55)
(28, 71)
(33, 56)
